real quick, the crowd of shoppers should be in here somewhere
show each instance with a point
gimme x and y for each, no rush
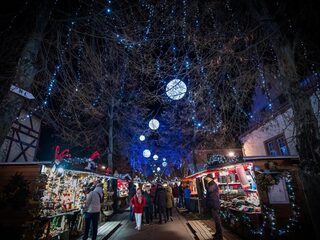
(157, 202)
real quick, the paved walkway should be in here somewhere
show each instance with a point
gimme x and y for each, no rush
(185, 226)
(175, 230)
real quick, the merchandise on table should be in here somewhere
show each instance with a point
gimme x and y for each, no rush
(64, 197)
(236, 183)
(123, 188)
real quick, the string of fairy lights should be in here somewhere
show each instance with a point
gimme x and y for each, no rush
(53, 79)
(269, 226)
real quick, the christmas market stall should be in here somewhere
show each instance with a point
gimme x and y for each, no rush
(44, 200)
(68, 182)
(261, 198)
(123, 189)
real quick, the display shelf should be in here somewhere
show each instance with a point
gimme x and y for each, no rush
(223, 184)
(64, 213)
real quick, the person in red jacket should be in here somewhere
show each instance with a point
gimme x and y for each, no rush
(138, 202)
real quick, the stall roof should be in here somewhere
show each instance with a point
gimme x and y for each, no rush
(246, 159)
(25, 163)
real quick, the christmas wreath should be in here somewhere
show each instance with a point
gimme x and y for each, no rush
(267, 180)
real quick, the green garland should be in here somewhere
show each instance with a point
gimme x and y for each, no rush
(265, 181)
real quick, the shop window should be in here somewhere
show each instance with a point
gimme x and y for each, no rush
(277, 146)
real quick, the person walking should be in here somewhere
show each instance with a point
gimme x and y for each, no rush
(148, 208)
(153, 197)
(138, 202)
(187, 195)
(181, 196)
(213, 203)
(175, 193)
(169, 196)
(161, 203)
(92, 212)
(131, 194)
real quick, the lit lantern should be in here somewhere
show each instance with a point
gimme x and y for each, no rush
(142, 138)
(176, 89)
(155, 157)
(146, 153)
(231, 154)
(154, 124)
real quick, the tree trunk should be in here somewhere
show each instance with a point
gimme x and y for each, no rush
(194, 157)
(110, 134)
(26, 71)
(305, 122)
(312, 194)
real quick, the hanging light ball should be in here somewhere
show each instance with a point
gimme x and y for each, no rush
(155, 157)
(154, 171)
(154, 124)
(142, 138)
(158, 169)
(164, 159)
(176, 89)
(164, 164)
(146, 153)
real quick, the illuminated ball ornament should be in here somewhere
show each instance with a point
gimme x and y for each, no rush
(146, 153)
(155, 157)
(158, 169)
(164, 159)
(164, 164)
(154, 124)
(142, 138)
(176, 89)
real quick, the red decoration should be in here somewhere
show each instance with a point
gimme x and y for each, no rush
(94, 155)
(108, 170)
(60, 156)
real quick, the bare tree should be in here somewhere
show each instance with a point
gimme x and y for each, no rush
(25, 73)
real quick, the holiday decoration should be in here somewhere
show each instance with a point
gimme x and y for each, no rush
(154, 124)
(219, 160)
(59, 156)
(91, 164)
(142, 138)
(155, 157)
(176, 89)
(146, 153)
(266, 180)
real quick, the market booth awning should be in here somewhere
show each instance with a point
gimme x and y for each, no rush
(259, 195)
(55, 196)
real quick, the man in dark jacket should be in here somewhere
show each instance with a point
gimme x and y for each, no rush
(148, 208)
(181, 196)
(161, 202)
(131, 194)
(213, 204)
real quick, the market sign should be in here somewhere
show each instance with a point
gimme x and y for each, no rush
(21, 92)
